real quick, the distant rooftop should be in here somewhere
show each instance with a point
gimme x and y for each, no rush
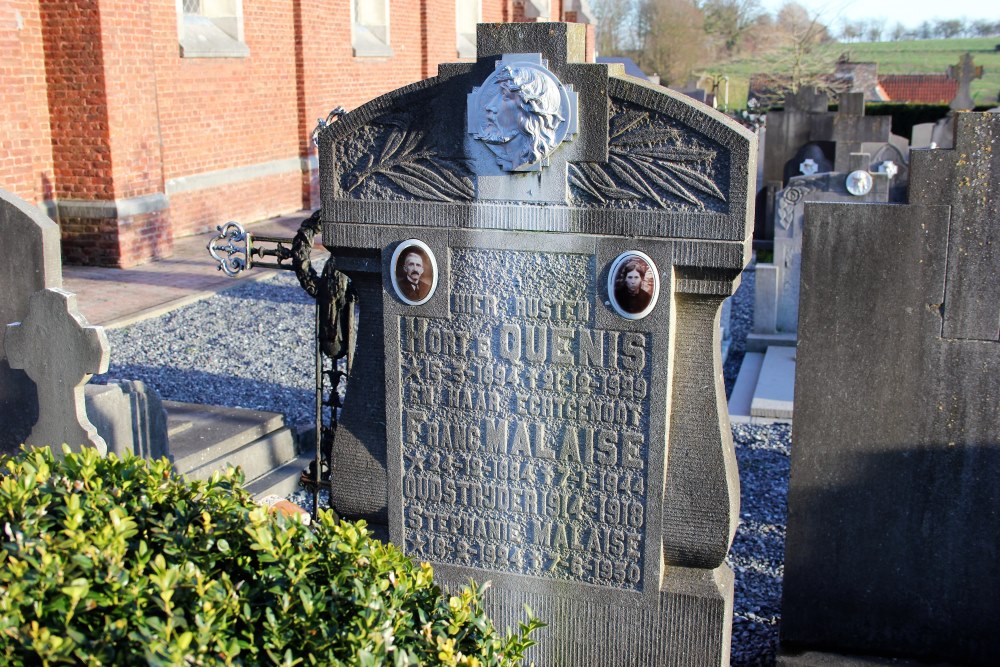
(630, 67)
(919, 88)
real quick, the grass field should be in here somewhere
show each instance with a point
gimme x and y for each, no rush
(928, 56)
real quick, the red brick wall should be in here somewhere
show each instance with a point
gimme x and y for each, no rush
(25, 139)
(96, 104)
(78, 112)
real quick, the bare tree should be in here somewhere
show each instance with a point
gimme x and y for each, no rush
(673, 42)
(874, 30)
(728, 21)
(850, 31)
(949, 28)
(898, 33)
(804, 59)
(984, 28)
(616, 26)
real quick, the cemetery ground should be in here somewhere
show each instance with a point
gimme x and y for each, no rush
(249, 345)
(916, 56)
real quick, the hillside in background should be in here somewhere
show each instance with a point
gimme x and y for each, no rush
(927, 56)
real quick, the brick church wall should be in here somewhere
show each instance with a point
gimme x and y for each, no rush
(129, 145)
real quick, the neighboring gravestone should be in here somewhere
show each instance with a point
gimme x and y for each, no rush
(829, 136)
(892, 505)
(29, 261)
(59, 351)
(776, 293)
(964, 72)
(129, 416)
(541, 247)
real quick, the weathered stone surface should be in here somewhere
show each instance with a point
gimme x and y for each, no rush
(59, 351)
(892, 525)
(129, 416)
(515, 426)
(29, 261)
(779, 301)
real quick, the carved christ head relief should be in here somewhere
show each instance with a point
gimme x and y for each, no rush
(521, 115)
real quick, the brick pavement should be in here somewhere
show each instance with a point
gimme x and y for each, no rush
(118, 297)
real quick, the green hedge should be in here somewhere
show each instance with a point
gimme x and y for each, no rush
(110, 561)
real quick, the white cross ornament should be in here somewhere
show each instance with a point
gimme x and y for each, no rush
(888, 168)
(808, 167)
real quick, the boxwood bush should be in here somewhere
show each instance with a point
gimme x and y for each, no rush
(110, 561)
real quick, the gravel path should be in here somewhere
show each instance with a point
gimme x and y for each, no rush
(251, 347)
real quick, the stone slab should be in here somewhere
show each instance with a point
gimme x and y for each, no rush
(746, 381)
(30, 260)
(129, 416)
(819, 659)
(892, 523)
(774, 394)
(759, 342)
(206, 438)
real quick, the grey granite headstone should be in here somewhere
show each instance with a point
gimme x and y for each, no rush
(59, 351)
(536, 420)
(893, 518)
(29, 261)
(777, 291)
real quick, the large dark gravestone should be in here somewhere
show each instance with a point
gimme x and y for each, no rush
(541, 247)
(893, 520)
(29, 262)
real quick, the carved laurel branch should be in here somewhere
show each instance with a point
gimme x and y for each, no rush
(410, 165)
(644, 162)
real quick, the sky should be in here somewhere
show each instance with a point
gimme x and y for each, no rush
(910, 13)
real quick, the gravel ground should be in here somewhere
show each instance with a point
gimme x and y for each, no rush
(251, 347)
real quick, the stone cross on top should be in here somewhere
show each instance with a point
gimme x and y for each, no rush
(59, 351)
(964, 72)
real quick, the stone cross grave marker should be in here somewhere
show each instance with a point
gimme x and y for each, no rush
(59, 351)
(964, 72)
(541, 247)
(29, 261)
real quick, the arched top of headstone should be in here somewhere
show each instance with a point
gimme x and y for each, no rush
(530, 126)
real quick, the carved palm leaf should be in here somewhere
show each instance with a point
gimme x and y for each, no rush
(420, 173)
(648, 162)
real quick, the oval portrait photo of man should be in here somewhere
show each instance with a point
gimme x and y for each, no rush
(633, 285)
(414, 272)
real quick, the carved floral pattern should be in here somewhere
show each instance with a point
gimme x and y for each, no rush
(648, 164)
(407, 162)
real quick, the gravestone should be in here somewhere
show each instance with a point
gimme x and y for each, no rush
(834, 137)
(764, 391)
(129, 416)
(545, 413)
(891, 547)
(964, 72)
(776, 296)
(60, 352)
(29, 261)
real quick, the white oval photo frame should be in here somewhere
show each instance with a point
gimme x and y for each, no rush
(613, 273)
(400, 253)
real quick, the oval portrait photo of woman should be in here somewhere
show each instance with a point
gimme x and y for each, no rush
(414, 272)
(633, 285)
